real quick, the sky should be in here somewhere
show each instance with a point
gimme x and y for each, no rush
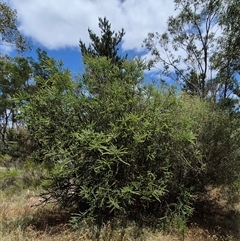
(57, 25)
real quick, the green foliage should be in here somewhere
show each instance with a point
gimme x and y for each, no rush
(5, 160)
(105, 45)
(49, 114)
(19, 148)
(226, 59)
(15, 73)
(200, 49)
(185, 49)
(13, 81)
(127, 149)
(8, 28)
(29, 176)
(39, 67)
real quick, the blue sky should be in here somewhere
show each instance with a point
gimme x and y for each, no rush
(57, 25)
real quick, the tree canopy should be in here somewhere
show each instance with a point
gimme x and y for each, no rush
(9, 32)
(105, 45)
(194, 54)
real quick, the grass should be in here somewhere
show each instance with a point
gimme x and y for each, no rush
(22, 219)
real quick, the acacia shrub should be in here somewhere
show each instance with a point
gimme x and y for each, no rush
(119, 147)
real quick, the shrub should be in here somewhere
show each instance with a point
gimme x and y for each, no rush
(117, 147)
(17, 149)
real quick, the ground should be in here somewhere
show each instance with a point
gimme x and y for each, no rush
(23, 219)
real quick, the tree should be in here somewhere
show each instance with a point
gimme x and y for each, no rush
(9, 32)
(226, 58)
(105, 45)
(39, 67)
(187, 48)
(230, 22)
(13, 81)
(15, 72)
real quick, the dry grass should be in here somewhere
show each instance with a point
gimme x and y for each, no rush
(22, 220)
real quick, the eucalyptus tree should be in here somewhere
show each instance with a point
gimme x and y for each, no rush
(226, 59)
(186, 49)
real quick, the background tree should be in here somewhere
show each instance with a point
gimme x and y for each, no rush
(15, 72)
(226, 58)
(186, 49)
(9, 32)
(14, 80)
(14, 76)
(105, 45)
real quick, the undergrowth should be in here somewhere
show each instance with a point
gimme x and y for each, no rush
(22, 219)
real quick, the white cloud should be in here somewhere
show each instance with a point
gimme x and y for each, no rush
(5, 48)
(60, 23)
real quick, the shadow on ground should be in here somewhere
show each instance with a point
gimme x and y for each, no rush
(217, 220)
